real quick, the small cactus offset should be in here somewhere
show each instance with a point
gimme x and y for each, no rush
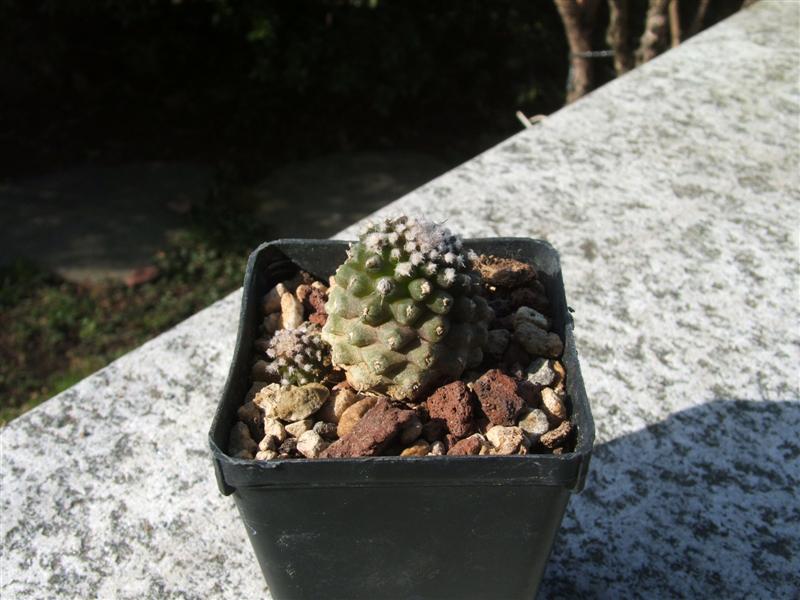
(298, 356)
(406, 310)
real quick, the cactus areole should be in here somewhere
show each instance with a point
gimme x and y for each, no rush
(406, 310)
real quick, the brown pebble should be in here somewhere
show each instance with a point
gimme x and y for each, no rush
(497, 394)
(251, 415)
(272, 323)
(558, 367)
(353, 414)
(291, 312)
(340, 400)
(506, 440)
(419, 448)
(504, 272)
(372, 433)
(453, 404)
(302, 292)
(553, 405)
(468, 446)
(557, 436)
(240, 440)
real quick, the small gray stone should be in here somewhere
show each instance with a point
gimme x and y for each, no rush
(526, 314)
(497, 342)
(298, 428)
(534, 424)
(326, 430)
(537, 341)
(540, 373)
(310, 444)
(291, 402)
(291, 311)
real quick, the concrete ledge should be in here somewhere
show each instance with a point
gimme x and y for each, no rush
(672, 194)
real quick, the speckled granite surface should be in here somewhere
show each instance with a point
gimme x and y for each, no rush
(673, 197)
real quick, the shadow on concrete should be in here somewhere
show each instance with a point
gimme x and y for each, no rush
(702, 505)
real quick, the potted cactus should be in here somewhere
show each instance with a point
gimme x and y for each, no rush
(404, 415)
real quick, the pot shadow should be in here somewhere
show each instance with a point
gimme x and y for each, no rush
(703, 504)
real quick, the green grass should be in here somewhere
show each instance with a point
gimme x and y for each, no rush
(53, 332)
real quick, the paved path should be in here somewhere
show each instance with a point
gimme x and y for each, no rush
(673, 196)
(94, 223)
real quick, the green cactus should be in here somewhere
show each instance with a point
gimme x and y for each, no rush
(298, 356)
(406, 311)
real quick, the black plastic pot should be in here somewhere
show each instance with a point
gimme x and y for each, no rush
(389, 527)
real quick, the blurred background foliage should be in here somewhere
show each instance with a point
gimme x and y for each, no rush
(244, 85)
(236, 79)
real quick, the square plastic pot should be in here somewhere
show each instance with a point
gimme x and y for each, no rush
(389, 527)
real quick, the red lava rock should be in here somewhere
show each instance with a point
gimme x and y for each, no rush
(251, 415)
(504, 272)
(556, 437)
(497, 393)
(468, 446)
(373, 432)
(453, 404)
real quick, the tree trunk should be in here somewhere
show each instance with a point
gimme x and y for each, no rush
(577, 16)
(675, 22)
(653, 39)
(699, 17)
(617, 36)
